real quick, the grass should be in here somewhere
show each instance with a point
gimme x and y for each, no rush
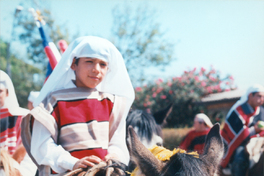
(173, 136)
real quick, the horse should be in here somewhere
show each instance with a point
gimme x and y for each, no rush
(148, 127)
(8, 165)
(179, 164)
(254, 148)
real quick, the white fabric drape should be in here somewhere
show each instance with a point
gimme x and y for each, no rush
(11, 100)
(116, 80)
(244, 98)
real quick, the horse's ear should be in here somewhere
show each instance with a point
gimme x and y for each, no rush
(144, 159)
(161, 115)
(214, 148)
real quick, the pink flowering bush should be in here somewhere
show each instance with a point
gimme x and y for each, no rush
(183, 92)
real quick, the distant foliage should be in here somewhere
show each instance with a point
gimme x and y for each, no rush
(138, 36)
(183, 91)
(22, 75)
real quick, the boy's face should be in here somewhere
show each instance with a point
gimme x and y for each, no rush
(3, 95)
(256, 100)
(89, 71)
(198, 125)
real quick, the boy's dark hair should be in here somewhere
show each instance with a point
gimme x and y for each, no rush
(253, 93)
(76, 60)
(203, 123)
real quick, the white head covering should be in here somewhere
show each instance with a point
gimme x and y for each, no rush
(201, 117)
(243, 99)
(116, 81)
(5, 81)
(11, 100)
(33, 95)
(3, 85)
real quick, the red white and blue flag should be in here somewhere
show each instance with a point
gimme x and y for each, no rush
(49, 47)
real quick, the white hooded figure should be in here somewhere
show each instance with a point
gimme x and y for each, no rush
(10, 101)
(11, 116)
(241, 127)
(80, 113)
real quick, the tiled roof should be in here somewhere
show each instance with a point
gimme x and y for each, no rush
(233, 94)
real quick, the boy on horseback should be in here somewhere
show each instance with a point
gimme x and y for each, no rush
(79, 116)
(241, 124)
(195, 139)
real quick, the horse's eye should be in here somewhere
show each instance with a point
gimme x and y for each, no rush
(159, 144)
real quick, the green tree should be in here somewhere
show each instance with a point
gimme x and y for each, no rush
(183, 92)
(31, 36)
(22, 75)
(139, 39)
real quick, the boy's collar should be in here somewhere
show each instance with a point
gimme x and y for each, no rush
(247, 108)
(72, 84)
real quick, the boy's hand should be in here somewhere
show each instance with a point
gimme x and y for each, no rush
(259, 126)
(19, 153)
(111, 156)
(87, 161)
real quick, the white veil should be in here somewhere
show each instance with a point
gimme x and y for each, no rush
(11, 100)
(116, 80)
(244, 98)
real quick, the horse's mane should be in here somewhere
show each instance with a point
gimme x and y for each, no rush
(145, 123)
(182, 164)
(7, 163)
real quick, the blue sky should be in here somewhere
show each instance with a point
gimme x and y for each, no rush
(226, 34)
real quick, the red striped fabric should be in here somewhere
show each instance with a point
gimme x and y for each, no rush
(227, 134)
(10, 131)
(101, 153)
(234, 139)
(4, 113)
(194, 141)
(82, 111)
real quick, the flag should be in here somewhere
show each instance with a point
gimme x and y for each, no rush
(49, 47)
(62, 45)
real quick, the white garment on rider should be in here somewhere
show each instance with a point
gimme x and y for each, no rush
(45, 151)
(27, 167)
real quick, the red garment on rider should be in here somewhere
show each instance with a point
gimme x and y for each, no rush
(236, 129)
(194, 141)
(72, 116)
(10, 130)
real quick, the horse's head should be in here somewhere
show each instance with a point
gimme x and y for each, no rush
(148, 126)
(180, 164)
